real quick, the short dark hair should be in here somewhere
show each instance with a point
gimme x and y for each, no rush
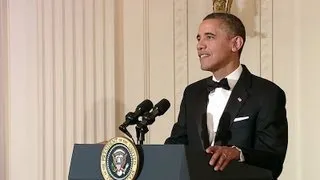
(233, 23)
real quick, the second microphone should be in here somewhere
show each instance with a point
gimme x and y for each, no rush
(159, 109)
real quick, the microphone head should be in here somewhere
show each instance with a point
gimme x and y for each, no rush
(144, 106)
(162, 106)
(132, 117)
(159, 109)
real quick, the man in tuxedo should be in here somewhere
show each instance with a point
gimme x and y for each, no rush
(233, 115)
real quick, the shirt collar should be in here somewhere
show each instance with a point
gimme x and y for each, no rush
(233, 77)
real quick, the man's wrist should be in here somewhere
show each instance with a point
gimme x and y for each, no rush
(241, 158)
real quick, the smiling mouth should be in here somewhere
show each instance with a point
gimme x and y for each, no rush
(203, 56)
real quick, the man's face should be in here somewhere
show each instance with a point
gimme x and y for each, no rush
(214, 45)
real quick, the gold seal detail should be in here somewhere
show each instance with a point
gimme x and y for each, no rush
(119, 159)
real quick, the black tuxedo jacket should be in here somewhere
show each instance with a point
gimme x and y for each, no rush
(262, 137)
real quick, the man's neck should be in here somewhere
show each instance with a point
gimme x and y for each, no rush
(226, 70)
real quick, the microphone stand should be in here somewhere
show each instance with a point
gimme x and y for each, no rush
(141, 130)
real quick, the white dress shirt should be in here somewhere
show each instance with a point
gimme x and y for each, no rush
(218, 99)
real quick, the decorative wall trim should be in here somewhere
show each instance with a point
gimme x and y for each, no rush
(110, 68)
(119, 62)
(40, 82)
(180, 51)
(146, 54)
(3, 90)
(266, 39)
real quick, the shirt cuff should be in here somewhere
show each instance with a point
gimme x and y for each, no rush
(241, 154)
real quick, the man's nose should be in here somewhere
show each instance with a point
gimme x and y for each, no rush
(200, 45)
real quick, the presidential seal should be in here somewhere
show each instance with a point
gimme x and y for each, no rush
(119, 159)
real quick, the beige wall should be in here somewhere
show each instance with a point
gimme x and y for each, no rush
(307, 52)
(71, 69)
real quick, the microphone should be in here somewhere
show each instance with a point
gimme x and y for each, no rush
(149, 117)
(132, 117)
(159, 109)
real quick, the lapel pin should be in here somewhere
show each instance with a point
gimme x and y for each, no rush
(239, 99)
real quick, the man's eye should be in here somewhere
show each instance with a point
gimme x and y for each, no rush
(210, 37)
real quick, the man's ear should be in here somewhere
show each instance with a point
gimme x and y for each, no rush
(237, 43)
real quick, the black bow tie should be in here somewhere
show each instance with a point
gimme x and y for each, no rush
(223, 83)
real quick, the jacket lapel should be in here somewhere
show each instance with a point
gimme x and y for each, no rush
(236, 100)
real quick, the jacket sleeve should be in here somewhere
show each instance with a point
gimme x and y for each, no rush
(271, 138)
(179, 130)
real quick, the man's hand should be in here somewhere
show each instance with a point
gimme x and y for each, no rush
(221, 156)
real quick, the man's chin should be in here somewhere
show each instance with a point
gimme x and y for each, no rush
(206, 68)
